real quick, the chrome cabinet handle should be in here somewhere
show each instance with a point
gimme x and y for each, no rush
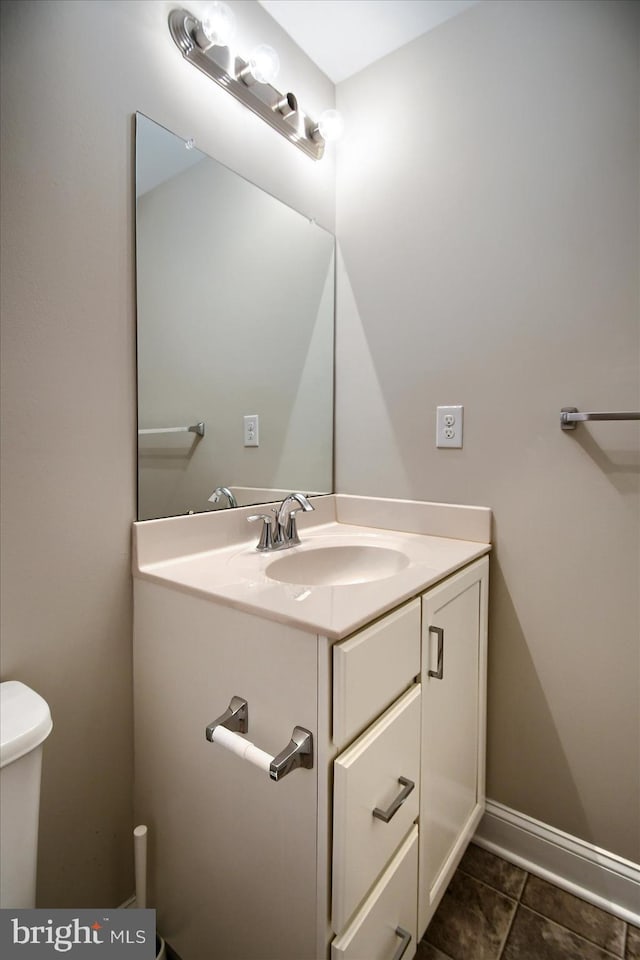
(406, 940)
(438, 673)
(391, 811)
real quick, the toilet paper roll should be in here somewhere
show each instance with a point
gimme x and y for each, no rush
(243, 748)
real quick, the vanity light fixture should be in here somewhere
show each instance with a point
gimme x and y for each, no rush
(206, 44)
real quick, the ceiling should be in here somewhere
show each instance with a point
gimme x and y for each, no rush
(344, 36)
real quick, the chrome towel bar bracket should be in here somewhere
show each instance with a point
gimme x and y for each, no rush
(570, 417)
(235, 720)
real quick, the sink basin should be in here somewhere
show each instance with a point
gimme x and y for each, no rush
(337, 565)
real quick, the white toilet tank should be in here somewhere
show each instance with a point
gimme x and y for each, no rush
(25, 722)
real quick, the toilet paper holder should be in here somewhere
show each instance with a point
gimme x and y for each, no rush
(235, 719)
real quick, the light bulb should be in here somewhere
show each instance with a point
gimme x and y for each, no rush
(219, 24)
(330, 125)
(264, 64)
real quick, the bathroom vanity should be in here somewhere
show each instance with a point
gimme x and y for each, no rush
(371, 636)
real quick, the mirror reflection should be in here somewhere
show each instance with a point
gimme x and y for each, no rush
(235, 294)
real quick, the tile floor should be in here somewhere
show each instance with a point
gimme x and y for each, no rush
(493, 910)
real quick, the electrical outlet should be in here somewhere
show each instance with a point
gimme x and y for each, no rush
(449, 426)
(251, 430)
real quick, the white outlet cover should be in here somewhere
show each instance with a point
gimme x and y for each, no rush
(449, 422)
(251, 428)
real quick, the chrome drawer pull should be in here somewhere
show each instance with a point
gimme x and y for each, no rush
(406, 940)
(386, 815)
(439, 631)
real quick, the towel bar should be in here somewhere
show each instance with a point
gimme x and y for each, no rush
(569, 417)
(194, 428)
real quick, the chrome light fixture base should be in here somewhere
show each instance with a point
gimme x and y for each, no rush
(279, 110)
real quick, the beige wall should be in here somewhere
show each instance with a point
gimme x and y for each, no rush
(488, 219)
(73, 76)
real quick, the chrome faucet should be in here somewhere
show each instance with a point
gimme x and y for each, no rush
(286, 533)
(224, 492)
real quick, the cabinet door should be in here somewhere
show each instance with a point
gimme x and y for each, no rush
(453, 728)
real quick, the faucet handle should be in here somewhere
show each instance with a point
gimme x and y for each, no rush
(266, 537)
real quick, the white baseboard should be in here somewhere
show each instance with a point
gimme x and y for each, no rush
(595, 875)
(586, 871)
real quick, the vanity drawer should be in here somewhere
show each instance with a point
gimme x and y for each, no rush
(372, 668)
(389, 914)
(367, 777)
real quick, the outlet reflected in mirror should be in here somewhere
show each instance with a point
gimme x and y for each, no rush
(235, 294)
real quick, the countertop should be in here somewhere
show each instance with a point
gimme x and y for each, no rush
(232, 572)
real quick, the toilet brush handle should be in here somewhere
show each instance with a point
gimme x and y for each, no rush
(140, 863)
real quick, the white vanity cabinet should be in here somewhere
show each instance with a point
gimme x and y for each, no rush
(348, 859)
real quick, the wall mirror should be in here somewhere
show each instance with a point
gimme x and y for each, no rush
(235, 302)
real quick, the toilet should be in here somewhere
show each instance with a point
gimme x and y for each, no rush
(25, 723)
